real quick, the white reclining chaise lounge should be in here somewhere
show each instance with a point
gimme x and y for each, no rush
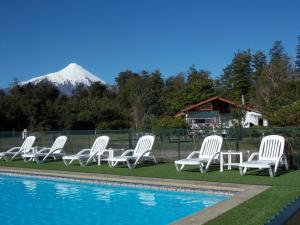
(56, 151)
(18, 151)
(209, 153)
(86, 155)
(142, 151)
(270, 156)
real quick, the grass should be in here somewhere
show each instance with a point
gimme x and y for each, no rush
(257, 210)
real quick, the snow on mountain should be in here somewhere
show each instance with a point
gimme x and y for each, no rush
(67, 78)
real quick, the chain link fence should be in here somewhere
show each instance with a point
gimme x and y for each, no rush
(170, 144)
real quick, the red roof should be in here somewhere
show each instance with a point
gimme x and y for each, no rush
(189, 108)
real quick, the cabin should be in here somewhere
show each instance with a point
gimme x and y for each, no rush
(219, 112)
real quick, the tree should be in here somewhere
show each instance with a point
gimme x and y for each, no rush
(4, 123)
(236, 79)
(259, 64)
(279, 69)
(275, 77)
(152, 91)
(297, 62)
(97, 90)
(288, 115)
(124, 81)
(174, 86)
(198, 88)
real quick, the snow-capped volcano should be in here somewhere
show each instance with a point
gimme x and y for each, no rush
(67, 78)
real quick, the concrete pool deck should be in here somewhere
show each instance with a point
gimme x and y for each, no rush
(241, 192)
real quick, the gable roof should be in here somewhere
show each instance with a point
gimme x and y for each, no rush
(191, 107)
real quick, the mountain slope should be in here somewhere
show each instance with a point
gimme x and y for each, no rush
(67, 78)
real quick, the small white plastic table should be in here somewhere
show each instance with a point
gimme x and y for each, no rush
(229, 164)
(110, 153)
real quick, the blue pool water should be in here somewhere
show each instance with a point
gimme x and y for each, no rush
(28, 200)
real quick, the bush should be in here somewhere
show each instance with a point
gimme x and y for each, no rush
(168, 122)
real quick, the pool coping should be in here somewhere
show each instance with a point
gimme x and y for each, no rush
(241, 192)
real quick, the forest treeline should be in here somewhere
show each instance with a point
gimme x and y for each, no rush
(269, 82)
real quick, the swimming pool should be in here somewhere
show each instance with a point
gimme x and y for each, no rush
(30, 200)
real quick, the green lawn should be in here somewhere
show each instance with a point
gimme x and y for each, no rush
(257, 210)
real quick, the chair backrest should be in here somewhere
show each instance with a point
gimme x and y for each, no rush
(210, 146)
(59, 143)
(99, 144)
(27, 144)
(144, 144)
(271, 147)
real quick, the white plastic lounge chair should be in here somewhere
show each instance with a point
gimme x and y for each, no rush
(209, 152)
(142, 151)
(18, 151)
(56, 151)
(270, 156)
(86, 155)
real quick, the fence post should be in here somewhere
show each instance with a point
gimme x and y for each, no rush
(237, 143)
(53, 136)
(179, 146)
(130, 139)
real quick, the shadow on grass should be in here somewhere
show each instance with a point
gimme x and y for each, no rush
(212, 168)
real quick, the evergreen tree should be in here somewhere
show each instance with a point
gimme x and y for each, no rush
(297, 62)
(241, 69)
(236, 78)
(174, 86)
(198, 88)
(259, 63)
(271, 84)
(280, 67)
(4, 123)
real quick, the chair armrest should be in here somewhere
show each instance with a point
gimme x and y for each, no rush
(86, 150)
(127, 152)
(216, 154)
(281, 158)
(13, 149)
(58, 149)
(44, 150)
(254, 154)
(142, 155)
(192, 154)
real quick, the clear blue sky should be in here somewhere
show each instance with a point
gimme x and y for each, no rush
(107, 37)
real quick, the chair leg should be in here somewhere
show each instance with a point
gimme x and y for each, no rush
(286, 165)
(154, 159)
(82, 163)
(39, 161)
(130, 166)
(208, 165)
(202, 168)
(181, 167)
(26, 160)
(68, 163)
(243, 171)
(111, 164)
(272, 172)
(177, 167)
(6, 158)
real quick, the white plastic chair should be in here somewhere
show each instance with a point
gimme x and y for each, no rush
(142, 151)
(209, 153)
(56, 151)
(86, 155)
(270, 156)
(18, 151)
